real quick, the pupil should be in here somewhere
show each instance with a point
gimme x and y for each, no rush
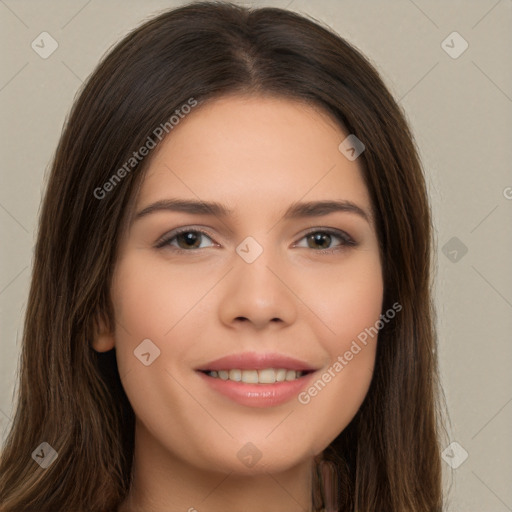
(189, 238)
(319, 237)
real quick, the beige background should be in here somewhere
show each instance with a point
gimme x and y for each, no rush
(460, 110)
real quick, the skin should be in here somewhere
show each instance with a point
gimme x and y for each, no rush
(257, 155)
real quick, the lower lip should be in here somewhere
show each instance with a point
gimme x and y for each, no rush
(258, 395)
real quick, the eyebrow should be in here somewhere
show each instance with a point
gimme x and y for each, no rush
(295, 210)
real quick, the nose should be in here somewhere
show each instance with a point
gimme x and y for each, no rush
(258, 294)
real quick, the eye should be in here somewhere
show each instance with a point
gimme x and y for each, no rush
(321, 239)
(185, 239)
(188, 239)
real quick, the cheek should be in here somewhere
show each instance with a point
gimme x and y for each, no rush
(155, 302)
(151, 300)
(153, 296)
(349, 305)
(347, 298)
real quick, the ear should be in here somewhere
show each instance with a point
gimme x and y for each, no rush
(104, 339)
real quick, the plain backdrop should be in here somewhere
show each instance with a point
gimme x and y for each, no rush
(458, 101)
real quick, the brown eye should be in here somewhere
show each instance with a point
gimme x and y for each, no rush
(189, 240)
(319, 239)
(184, 240)
(327, 240)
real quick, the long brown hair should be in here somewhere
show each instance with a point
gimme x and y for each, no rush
(69, 396)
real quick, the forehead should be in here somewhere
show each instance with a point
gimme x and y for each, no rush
(254, 153)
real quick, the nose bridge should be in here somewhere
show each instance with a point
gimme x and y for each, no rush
(254, 291)
(252, 266)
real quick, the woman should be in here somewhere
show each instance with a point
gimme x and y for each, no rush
(231, 287)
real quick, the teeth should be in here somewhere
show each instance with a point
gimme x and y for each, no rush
(290, 375)
(266, 376)
(250, 376)
(281, 375)
(235, 375)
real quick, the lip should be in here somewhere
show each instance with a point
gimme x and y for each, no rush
(258, 395)
(256, 361)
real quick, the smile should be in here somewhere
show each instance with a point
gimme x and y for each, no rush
(265, 376)
(255, 393)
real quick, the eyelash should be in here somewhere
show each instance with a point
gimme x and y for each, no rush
(346, 240)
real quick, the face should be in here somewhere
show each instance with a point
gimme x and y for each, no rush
(255, 276)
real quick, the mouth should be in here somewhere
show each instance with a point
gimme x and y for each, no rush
(265, 376)
(255, 379)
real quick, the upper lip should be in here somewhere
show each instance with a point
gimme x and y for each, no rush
(256, 361)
